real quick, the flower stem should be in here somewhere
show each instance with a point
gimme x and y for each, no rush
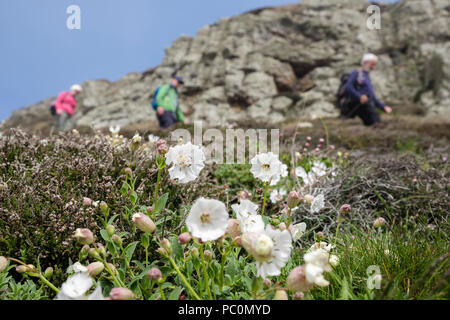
(205, 273)
(186, 283)
(222, 264)
(48, 283)
(157, 188)
(265, 196)
(161, 292)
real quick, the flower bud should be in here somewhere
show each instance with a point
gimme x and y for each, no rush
(87, 202)
(121, 294)
(144, 223)
(309, 198)
(320, 235)
(294, 199)
(194, 252)
(3, 263)
(110, 229)
(155, 274)
(112, 268)
(332, 147)
(282, 226)
(307, 145)
(379, 222)
(165, 244)
(128, 172)
(161, 146)
(94, 253)
(101, 250)
(84, 236)
(244, 195)
(162, 251)
(321, 140)
(48, 273)
(21, 268)
(308, 138)
(95, 268)
(296, 281)
(103, 207)
(184, 238)
(182, 297)
(345, 208)
(117, 240)
(299, 296)
(267, 282)
(208, 255)
(280, 295)
(84, 252)
(150, 209)
(233, 228)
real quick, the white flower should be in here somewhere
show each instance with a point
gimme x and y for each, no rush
(284, 173)
(152, 140)
(97, 294)
(308, 178)
(276, 195)
(317, 262)
(114, 129)
(334, 260)
(319, 168)
(298, 230)
(75, 287)
(249, 219)
(317, 204)
(280, 246)
(207, 219)
(187, 161)
(77, 268)
(266, 167)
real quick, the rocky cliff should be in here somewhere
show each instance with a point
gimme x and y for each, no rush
(274, 64)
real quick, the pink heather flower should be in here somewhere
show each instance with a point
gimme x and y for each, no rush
(379, 222)
(144, 223)
(345, 208)
(84, 236)
(121, 294)
(184, 238)
(154, 274)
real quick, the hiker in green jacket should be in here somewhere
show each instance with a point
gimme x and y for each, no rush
(168, 111)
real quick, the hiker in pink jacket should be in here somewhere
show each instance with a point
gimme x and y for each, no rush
(65, 106)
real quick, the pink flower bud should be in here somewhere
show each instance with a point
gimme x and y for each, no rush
(3, 263)
(194, 252)
(299, 296)
(128, 172)
(307, 145)
(110, 229)
(345, 208)
(290, 228)
(103, 206)
(84, 236)
(308, 138)
(444, 159)
(244, 195)
(154, 274)
(320, 235)
(293, 199)
(267, 282)
(21, 268)
(321, 140)
(95, 268)
(117, 239)
(280, 295)
(182, 297)
(233, 228)
(332, 147)
(87, 202)
(144, 223)
(296, 281)
(121, 294)
(282, 226)
(184, 238)
(379, 222)
(165, 244)
(161, 146)
(208, 255)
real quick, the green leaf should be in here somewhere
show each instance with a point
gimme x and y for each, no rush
(133, 197)
(161, 204)
(105, 235)
(124, 189)
(111, 220)
(344, 295)
(129, 250)
(175, 294)
(145, 241)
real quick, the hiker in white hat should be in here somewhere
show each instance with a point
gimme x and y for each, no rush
(64, 106)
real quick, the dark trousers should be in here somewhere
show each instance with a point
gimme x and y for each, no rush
(367, 113)
(167, 119)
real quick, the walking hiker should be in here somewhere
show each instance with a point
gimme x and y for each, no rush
(64, 107)
(166, 104)
(362, 101)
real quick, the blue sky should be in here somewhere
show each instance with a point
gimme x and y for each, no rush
(40, 57)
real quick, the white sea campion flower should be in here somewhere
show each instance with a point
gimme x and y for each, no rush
(277, 195)
(77, 268)
(266, 167)
(187, 161)
(319, 168)
(114, 130)
(298, 230)
(249, 219)
(75, 287)
(317, 262)
(271, 250)
(284, 173)
(334, 260)
(308, 178)
(207, 219)
(317, 204)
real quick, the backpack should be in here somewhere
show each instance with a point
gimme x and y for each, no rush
(154, 103)
(343, 102)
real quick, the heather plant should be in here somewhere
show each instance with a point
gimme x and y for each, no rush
(169, 232)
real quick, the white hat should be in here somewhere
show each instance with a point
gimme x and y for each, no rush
(76, 87)
(369, 57)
